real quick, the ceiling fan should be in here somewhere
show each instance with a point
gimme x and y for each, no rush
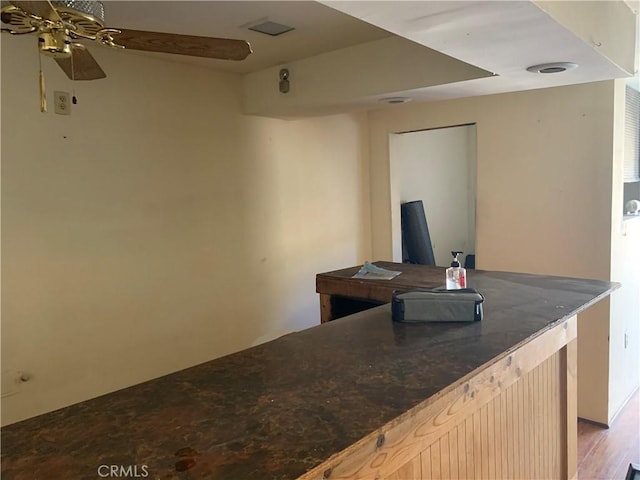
(59, 24)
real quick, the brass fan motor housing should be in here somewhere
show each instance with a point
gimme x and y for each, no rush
(55, 43)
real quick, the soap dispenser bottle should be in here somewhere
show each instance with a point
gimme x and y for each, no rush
(456, 275)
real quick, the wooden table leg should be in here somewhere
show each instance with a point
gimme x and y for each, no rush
(326, 314)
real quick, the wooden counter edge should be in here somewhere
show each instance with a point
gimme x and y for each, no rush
(397, 443)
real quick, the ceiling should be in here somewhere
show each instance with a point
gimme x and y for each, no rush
(504, 37)
(499, 37)
(318, 28)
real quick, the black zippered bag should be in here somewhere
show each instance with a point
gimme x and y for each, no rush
(437, 305)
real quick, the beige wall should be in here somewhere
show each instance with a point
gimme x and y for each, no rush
(157, 227)
(544, 195)
(538, 174)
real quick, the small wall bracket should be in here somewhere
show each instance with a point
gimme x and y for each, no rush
(284, 81)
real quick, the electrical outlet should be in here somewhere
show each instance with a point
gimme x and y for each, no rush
(63, 103)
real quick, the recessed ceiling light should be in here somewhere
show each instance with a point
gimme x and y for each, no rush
(271, 28)
(556, 67)
(395, 100)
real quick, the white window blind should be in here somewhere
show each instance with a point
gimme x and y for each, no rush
(632, 136)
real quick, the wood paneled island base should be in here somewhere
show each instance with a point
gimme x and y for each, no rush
(513, 419)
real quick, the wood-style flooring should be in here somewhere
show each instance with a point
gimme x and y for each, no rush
(605, 454)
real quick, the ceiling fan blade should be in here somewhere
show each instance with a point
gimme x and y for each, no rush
(209, 47)
(42, 9)
(80, 65)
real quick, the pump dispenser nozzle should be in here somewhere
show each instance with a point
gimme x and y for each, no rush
(456, 276)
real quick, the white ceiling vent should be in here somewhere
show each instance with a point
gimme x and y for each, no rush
(556, 67)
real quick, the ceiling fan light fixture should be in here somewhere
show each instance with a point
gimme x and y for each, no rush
(271, 28)
(93, 8)
(58, 23)
(550, 68)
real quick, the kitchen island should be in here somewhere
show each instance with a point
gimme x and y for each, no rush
(358, 397)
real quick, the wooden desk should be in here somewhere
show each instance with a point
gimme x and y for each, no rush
(342, 295)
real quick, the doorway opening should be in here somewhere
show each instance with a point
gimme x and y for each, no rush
(438, 167)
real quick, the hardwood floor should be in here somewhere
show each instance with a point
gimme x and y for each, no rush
(605, 454)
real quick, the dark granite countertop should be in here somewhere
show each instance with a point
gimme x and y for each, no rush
(276, 410)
